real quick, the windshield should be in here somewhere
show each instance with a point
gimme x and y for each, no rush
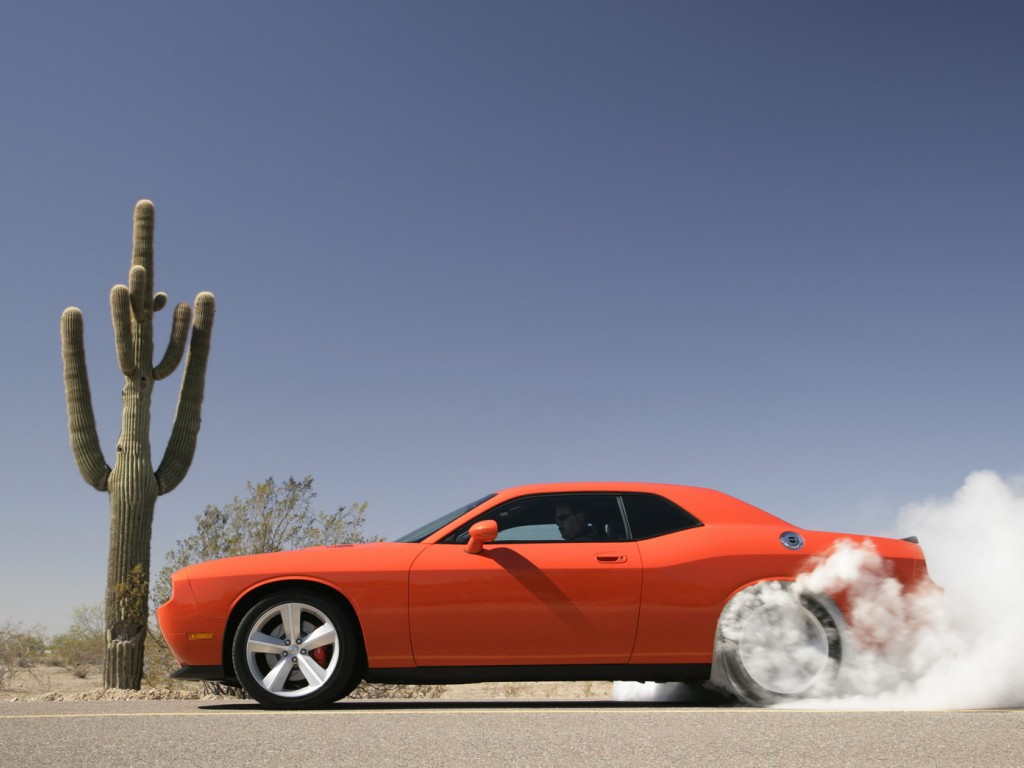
(425, 530)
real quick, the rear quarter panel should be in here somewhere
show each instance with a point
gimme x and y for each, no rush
(689, 576)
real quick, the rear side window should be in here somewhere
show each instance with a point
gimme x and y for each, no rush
(651, 516)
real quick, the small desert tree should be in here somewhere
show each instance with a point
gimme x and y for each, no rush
(272, 517)
(132, 484)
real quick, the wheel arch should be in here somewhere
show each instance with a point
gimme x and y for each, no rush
(754, 583)
(827, 601)
(261, 591)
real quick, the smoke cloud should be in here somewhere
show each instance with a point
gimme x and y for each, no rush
(955, 646)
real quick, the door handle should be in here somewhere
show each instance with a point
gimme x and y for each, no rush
(611, 558)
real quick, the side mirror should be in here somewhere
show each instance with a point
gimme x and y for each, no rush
(481, 533)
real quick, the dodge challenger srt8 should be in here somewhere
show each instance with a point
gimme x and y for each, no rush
(571, 581)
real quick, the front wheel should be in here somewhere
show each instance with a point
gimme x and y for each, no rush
(774, 645)
(294, 650)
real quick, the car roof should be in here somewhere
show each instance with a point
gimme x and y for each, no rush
(707, 504)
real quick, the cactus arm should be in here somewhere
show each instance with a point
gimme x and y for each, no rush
(181, 446)
(159, 301)
(176, 347)
(85, 442)
(143, 223)
(121, 314)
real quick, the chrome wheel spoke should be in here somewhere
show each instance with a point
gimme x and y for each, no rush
(291, 620)
(278, 676)
(321, 636)
(315, 674)
(263, 643)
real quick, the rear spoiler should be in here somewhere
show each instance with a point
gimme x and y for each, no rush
(912, 539)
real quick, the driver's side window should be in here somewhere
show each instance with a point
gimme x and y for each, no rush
(564, 517)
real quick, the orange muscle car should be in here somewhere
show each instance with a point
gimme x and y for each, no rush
(570, 581)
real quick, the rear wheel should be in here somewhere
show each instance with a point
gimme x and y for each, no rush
(775, 645)
(294, 650)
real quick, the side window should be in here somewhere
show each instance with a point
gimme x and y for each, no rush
(651, 516)
(563, 517)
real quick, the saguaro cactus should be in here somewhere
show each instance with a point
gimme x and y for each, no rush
(132, 484)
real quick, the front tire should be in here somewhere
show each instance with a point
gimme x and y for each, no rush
(775, 645)
(296, 650)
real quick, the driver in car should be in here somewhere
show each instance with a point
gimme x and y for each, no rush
(573, 524)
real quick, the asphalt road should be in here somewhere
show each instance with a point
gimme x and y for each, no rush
(523, 733)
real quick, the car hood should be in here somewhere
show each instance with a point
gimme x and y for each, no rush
(327, 558)
(217, 585)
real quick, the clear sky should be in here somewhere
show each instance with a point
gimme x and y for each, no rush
(772, 248)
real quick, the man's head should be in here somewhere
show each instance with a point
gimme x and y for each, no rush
(571, 522)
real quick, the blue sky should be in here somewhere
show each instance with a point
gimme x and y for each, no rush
(768, 247)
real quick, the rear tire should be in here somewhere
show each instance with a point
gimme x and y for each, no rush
(296, 650)
(774, 645)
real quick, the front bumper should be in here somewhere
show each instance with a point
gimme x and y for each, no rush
(197, 641)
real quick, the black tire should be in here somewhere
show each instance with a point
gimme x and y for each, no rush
(774, 645)
(296, 650)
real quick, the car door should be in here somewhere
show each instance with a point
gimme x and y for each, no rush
(529, 597)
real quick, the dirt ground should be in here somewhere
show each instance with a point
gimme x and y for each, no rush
(50, 683)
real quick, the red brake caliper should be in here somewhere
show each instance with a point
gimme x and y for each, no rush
(319, 655)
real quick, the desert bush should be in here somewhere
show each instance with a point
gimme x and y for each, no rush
(159, 662)
(20, 648)
(81, 647)
(395, 691)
